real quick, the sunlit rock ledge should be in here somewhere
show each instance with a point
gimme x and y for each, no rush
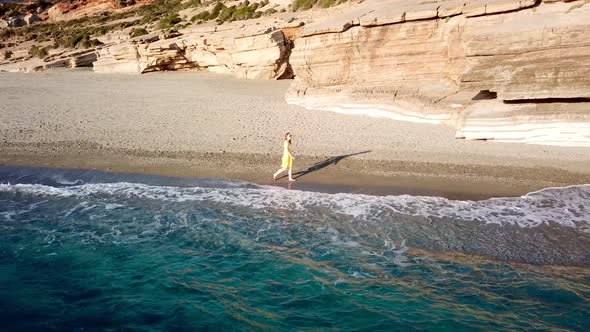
(260, 55)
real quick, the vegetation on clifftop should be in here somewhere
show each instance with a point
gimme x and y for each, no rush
(243, 11)
(163, 15)
(169, 21)
(308, 4)
(83, 32)
(38, 52)
(136, 32)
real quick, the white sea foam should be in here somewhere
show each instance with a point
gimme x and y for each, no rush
(567, 206)
(62, 180)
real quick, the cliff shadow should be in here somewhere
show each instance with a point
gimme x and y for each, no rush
(323, 164)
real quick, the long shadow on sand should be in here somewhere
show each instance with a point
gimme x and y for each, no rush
(323, 164)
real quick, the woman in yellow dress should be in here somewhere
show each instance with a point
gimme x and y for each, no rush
(287, 162)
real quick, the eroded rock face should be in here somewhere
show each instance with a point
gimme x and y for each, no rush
(530, 54)
(257, 56)
(432, 62)
(19, 21)
(407, 62)
(56, 59)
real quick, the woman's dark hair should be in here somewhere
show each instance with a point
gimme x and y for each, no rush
(287, 134)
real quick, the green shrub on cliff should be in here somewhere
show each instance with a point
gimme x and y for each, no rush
(73, 40)
(157, 9)
(82, 32)
(216, 10)
(136, 32)
(77, 39)
(169, 21)
(203, 16)
(308, 4)
(90, 43)
(38, 52)
(7, 33)
(67, 34)
(194, 3)
(226, 14)
(244, 11)
(303, 4)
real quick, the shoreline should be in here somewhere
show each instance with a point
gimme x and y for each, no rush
(313, 173)
(132, 169)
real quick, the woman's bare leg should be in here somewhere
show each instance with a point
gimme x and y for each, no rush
(291, 175)
(278, 172)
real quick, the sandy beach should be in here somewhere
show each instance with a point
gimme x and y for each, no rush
(204, 125)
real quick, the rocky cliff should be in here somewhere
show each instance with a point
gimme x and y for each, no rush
(506, 70)
(256, 55)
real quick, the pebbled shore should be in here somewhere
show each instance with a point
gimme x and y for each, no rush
(198, 124)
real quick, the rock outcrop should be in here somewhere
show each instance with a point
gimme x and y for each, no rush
(506, 70)
(262, 55)
(16, 21)
(72, 59)
(31, 18)
(19, 21)
(57, 59)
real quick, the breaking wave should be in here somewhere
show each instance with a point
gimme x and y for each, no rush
(565, 206)
(549, 226)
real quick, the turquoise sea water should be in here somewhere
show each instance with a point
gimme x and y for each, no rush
(84, 250)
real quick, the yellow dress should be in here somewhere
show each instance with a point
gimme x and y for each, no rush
(287, 160)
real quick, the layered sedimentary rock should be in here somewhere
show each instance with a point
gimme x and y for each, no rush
(507, 70)
(72, 59)
(57, 59)
(534, 54)
(261, 55)
(554, 123)
(82, 59)
(19, 21)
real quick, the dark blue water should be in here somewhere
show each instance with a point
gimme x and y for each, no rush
(84, 250)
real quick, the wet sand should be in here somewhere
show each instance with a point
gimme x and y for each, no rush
(203, 125)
